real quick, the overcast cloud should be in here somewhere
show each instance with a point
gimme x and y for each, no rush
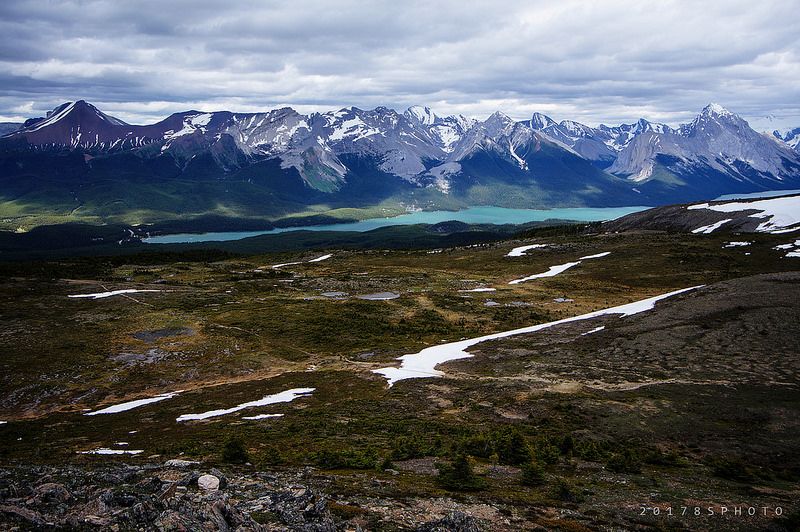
(592, 61)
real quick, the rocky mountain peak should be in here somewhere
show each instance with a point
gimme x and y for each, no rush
(421, 115)
(541, 121)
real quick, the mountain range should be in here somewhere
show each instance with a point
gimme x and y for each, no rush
(79, 159)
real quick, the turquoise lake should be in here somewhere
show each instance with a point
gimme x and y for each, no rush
(473, 215)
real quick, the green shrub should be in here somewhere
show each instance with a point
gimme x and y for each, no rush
(479, 445)
(271, 456)
(565, 491)
(346, 459)
(458, 475)
(731, 468)
(385, 464)
(345, 511)
(567, 445)
(532, 474)
(407, 447)
(234, 451)
(511, 447)
(656, 456)
(548, 453)
(591, 451)
(626, 461)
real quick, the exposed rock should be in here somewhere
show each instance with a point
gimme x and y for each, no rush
(454, 522)
(51, 493)
(208, 482)
(23, 514)
(177, 462)
(120, 497)
(223, 481)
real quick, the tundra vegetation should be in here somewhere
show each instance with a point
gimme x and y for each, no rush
(694, 403)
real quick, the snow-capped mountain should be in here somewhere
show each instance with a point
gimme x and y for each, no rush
(445, 131)
(716, 140)
(791, 138)
(601, 144)
(351, 150)
(499, 134)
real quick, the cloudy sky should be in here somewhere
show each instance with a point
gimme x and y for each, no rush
(593, 61)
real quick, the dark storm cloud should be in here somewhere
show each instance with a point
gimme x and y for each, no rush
(606, 61)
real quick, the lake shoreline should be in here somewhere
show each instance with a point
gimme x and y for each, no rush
(471, 215)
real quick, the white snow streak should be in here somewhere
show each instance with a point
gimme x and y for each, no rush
(282, 397)
(707, 229)
(130, 405)
(520, 251)
(553, 271)
(423, 364)
(596, 256)
(479, 290)
(106, 450)
(101, 295)
(261, 416)
(318, 259)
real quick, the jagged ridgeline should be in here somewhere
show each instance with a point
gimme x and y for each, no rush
(79, 160)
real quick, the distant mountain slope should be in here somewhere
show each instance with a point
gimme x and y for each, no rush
(791, 138)
(8, 127)
(277, 162)
(776, 215)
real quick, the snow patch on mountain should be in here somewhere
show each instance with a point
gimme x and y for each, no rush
(780, 215)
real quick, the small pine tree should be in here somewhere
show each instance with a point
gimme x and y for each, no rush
(566, 492)
(458, 475)
(532, 474)
(511, 447)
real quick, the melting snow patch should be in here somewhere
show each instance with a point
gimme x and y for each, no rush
(596, 329)
(781, 214)
(262, 416)
(520, 251)
(554, 270)
(423, 364)
(318, 259)
(106, 450)
(276, 266)
(3, 422)
(794, 247)
(282, 397)
(130, 405)
(736, 244)
(707, 229)
(479, 290)
(100, 295)
(596, 256)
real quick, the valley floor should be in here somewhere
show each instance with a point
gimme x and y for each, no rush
(264, 367)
